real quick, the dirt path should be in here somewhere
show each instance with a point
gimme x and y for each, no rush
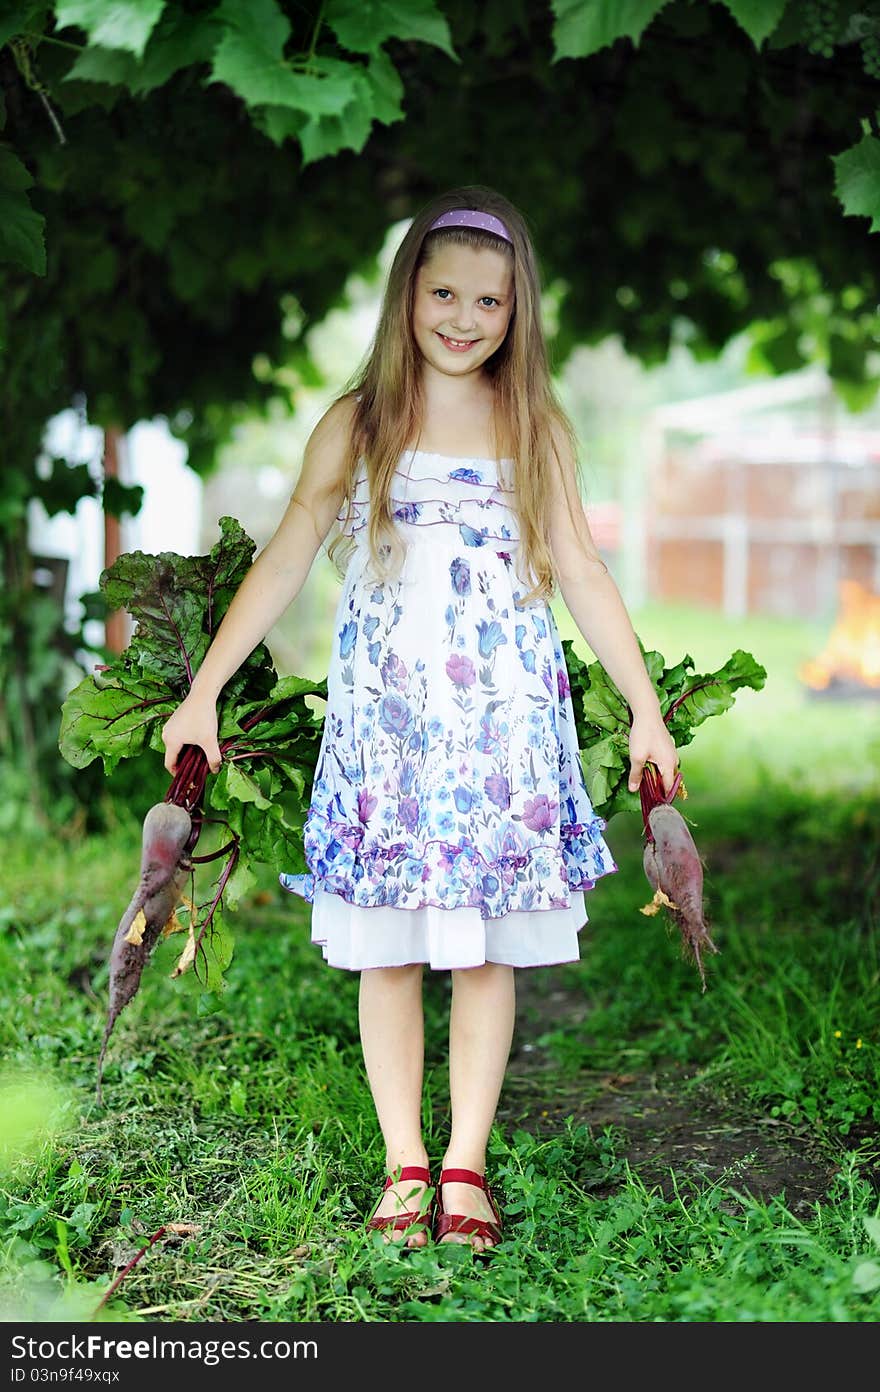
(669, 1134)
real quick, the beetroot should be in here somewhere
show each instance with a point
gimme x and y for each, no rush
(165, 865)
(675, 872)
(672, 864)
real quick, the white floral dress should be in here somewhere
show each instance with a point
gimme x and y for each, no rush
(449, 821)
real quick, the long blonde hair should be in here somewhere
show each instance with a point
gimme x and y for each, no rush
(388, 400)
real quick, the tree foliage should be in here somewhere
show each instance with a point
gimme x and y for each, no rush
(185, 186)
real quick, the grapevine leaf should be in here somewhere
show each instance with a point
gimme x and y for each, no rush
(857, 180)
(582, 27)
(111, 66)
(386, 87)
(126, 24)
(250, 59)
(20, 18)
(178, 41)
(758, 17)
(21, 229)
(364, 25)
(349, 130)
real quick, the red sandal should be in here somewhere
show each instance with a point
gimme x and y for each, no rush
(399, 1222)
(457, 1222)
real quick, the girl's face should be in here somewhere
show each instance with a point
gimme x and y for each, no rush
(462, 304)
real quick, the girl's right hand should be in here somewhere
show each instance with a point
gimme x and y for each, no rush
(194, 722)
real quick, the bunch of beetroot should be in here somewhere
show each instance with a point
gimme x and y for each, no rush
(671, 860)
(269, 741)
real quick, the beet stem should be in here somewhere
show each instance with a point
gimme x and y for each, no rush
(160, 1232)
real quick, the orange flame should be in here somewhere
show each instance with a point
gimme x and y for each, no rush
(852, 653)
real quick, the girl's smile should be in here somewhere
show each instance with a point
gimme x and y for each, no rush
(462, 306)
(456, 345)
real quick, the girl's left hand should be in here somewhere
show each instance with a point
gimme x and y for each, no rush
(649, 740)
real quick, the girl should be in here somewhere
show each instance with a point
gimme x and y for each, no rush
(449, 822)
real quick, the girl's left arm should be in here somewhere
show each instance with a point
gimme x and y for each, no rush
(595, 603)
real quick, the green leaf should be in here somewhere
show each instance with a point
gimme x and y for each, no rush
(110, 719)
(169, 642)
(21, 229)
(713, 693)
(327, 135)
(210, 1002)
(386, 87)
(178, 41)
(65, 487)
(109, 65)
(245, 787)
(178, 602)
(17, 18)
(118, 498)
(603, 763)
(364, 25)
(857, 180)
(583, 27)
(758, 17)
(14, 174)
(278, 123)
(240, 882)
(125, 24)
(250, 60)
(214, 954)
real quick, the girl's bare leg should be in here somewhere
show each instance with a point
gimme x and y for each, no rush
(393, 1038)
(480, 1033)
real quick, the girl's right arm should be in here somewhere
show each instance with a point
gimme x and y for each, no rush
(269, 587)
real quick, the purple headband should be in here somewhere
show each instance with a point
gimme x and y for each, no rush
(470, 217)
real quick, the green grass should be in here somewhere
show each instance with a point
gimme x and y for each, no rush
(254, 1126)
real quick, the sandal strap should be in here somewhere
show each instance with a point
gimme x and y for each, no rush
(409, 1172)
(456, 1222)
(399, 1221)
(459, 1222)
(463, 1177)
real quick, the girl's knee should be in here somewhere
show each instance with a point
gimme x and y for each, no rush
(486, 972)
(390, 975)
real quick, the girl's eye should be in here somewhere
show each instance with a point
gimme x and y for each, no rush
(490, 298)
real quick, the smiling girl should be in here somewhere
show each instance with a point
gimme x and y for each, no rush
(449, 824)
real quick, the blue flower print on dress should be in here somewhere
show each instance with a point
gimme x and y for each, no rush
(395, 716)
(407, 512)
(461, 576)
(470, 536)
(449, 775)
(490, 635)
